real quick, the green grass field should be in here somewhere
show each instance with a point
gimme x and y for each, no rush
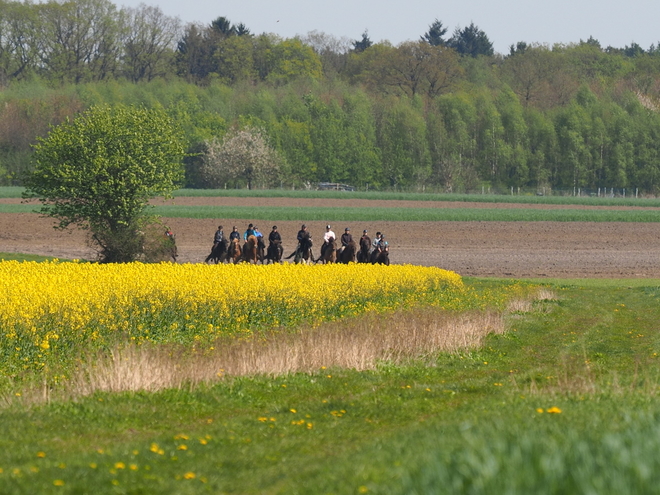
(565, 401)
(389, 214)
(15, 192)
(23, 257)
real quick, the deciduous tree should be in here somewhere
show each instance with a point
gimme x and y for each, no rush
(99, 171)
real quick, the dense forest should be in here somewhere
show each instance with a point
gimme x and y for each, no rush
(442, 112)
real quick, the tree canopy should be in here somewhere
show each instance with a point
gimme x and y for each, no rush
(100, 170)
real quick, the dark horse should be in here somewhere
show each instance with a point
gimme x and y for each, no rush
(251, 249)
(275, 252)
(261, 249)
(330, 253)
(365, 246)
(381, 256)
(234, 253)
(303, 254)
(218, 252)
(347, 255)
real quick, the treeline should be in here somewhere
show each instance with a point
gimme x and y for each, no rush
(443, 112)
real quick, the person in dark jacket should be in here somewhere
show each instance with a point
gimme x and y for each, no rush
(274, 235)
(346, 238)
(234, 234)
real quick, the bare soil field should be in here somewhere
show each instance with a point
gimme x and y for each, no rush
(485, 249)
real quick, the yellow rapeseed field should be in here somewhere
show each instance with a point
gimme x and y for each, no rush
(45, 307)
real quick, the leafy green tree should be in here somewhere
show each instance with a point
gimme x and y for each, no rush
(149, 42)
(19, 27)
(401, 137)
(232, 59)
(291, 59)
(419, 68)
(80, 40)
(99, 172)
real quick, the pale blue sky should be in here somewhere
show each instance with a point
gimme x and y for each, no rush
(615, 23)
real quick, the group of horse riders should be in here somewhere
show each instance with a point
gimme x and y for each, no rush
(379, 244)
(367, 252)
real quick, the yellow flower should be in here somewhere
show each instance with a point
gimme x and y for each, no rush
(554, 410)
(189, 475)
(119, 465)
(58, 483)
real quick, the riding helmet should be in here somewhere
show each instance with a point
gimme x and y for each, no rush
(274, 227)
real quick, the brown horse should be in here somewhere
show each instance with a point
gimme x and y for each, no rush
(234, 252)
(365, 247)
(330, 253)
(251, 249)
(348, 254)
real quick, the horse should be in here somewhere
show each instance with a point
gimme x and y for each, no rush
(382, 256)
(274, 252)
(234, 253)
(347, 255)
(330, 253)
(218, 252)
(365, 247)
(261, 249)
(303, 253)
(250, 249)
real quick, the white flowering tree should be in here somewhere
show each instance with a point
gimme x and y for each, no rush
(243, 155)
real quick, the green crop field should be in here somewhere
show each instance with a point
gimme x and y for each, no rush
(15, 192)
(283, 213)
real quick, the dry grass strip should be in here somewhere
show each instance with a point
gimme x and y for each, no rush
(358, 344)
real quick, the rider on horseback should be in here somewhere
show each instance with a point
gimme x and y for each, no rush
(329, 234)
(303, 238)
(217, 239)
(234, 234)
(275, 248)
(274, 236)
(248, 232)
(376, 240)
(346, 239)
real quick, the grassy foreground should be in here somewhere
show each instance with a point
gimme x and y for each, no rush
(565, 401)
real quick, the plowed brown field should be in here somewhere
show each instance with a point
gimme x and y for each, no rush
(497, 249)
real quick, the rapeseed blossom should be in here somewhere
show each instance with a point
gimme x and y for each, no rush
(56, 307)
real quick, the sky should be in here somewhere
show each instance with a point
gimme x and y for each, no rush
(612, 22)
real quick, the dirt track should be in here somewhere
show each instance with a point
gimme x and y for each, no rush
(497, 249)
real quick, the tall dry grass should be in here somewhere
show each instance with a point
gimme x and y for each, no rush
(358, 344)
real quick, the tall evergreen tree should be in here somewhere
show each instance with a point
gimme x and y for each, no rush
(471, 41)
(434, 36)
